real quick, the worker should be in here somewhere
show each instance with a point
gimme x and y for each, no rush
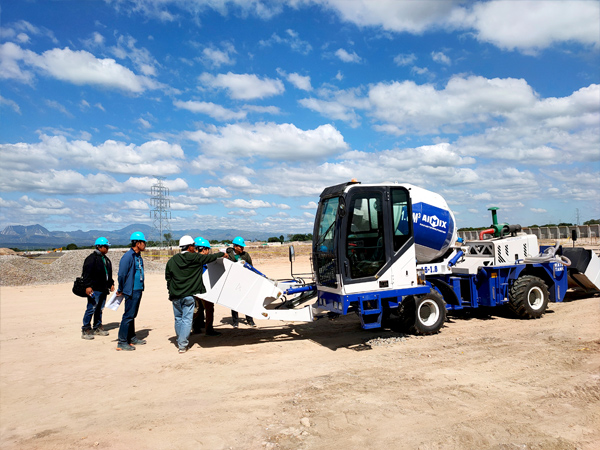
(184, 279)
(198, 322)
(238, 253)
(203, 247)
(131, 285)
(98, 280)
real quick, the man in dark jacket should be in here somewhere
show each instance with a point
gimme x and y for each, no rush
(238, 253)
(184, 279)
(97, 278)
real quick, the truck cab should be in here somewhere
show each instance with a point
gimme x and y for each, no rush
(363, 249)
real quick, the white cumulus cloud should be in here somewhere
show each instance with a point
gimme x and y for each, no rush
(309, 205)
(270, 140)
(300, 81)
(215, 57)
(243, 86)
(526, 25)
(344, 56)
(532, 25)
(213, 110)
(78, 67)
(441, 58)
(246, 204)
(152, 157)
(292, 39)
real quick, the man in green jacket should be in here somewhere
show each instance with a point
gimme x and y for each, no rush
(184, 279)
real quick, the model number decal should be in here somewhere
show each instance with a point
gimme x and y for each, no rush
(430, 269)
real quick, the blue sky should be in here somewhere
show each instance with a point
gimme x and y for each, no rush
(250, 108)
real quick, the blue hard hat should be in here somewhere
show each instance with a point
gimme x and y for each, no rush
(239, 241)
(138, 236)
(201, 242)
(102, 241)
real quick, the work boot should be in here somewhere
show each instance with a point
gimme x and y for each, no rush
(251, 322)
(100, 331)
(136, 341)
(87, 334)
(183, 350)
(125, 347)
(236, 324)
(212, 333)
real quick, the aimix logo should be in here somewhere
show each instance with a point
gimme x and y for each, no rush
(432, 220)
(435, 222)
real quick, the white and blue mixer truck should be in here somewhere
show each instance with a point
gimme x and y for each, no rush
(384, 248)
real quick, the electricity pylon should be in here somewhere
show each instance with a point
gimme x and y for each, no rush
(161, 208)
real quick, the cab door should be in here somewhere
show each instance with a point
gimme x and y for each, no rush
(376, 238)
(365, 234)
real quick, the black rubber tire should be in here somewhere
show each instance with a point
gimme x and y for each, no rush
(528, 297)
(423, 314)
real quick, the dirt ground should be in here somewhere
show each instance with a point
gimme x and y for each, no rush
(484, 382)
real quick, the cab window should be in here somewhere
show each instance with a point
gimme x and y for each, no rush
(401, 219)
(365, 248)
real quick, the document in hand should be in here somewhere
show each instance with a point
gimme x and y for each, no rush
(114, 301)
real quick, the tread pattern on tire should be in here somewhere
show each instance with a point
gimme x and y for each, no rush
(517, 297)
(408, 317)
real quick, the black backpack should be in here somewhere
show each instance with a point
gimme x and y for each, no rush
(78, 287)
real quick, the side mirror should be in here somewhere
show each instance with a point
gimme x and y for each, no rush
(292, 253)
(342, 207)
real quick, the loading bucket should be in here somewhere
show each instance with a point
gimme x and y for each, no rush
(236, 287)
(584, 272)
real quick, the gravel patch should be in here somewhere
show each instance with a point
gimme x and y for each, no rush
(385, 341)
(21, 271)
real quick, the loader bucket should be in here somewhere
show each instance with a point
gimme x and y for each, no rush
(236, 287)
(584, 272)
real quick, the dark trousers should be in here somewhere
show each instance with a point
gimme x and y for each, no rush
(95, 303)
(209, 307)
(198, 321)
(132, 306)
(235, 316)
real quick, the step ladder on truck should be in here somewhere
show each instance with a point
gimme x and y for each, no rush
(380, 249)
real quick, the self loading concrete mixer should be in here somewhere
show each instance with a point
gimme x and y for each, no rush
(392, 248)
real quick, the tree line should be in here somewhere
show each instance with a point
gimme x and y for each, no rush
(562, 224)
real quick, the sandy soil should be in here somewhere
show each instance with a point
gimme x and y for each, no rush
(484, 382)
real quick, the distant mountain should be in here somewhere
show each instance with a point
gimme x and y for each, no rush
(36, 236)
(28, 231)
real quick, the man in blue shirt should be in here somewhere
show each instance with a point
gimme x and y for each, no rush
(131, 285)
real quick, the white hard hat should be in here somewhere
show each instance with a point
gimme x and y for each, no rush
(185, 241)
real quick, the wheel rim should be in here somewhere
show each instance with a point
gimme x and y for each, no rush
(535, 298)
(429, 312)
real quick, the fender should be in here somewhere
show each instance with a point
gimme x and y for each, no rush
(446, 291)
